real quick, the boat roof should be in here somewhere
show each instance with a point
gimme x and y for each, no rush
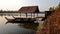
(28, 9)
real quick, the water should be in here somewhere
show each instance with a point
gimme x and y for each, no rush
(16, 28)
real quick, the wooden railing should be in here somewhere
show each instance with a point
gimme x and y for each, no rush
(23, 15)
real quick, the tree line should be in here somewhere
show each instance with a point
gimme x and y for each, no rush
(54, 8)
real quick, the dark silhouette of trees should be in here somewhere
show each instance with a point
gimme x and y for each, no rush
(54, 8)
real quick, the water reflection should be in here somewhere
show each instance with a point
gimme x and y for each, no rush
(29, 27)
(32, 26)
(17, 28)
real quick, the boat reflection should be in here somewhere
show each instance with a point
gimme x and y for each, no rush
(32, 26)
(26, 25)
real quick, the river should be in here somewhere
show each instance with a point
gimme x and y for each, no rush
(17, 28)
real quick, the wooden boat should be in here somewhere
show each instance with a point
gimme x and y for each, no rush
(9, 19)
(19, 20)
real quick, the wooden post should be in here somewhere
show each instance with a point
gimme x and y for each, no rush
(37, 14)
(20, 14)
(26, 15)
(31, 15)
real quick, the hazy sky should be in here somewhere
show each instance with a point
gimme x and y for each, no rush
(17, 4)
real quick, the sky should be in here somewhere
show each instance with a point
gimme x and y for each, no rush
(17, 4)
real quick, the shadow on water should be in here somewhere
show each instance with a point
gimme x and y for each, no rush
(32, 26)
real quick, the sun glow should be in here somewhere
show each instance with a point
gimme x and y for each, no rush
(10, 4)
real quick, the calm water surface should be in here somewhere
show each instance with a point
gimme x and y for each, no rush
(16, 28)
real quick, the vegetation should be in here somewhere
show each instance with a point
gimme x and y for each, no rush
(54, 8)
(51, 9)
(57, 7)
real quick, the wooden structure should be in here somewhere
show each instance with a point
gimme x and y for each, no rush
(29, 9)
(30, 13)
(27, 14)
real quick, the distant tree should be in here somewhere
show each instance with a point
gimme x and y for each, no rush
(57, 7)
(51, 9)
(54, 8)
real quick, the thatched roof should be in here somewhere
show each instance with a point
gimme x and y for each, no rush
(29, 9)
